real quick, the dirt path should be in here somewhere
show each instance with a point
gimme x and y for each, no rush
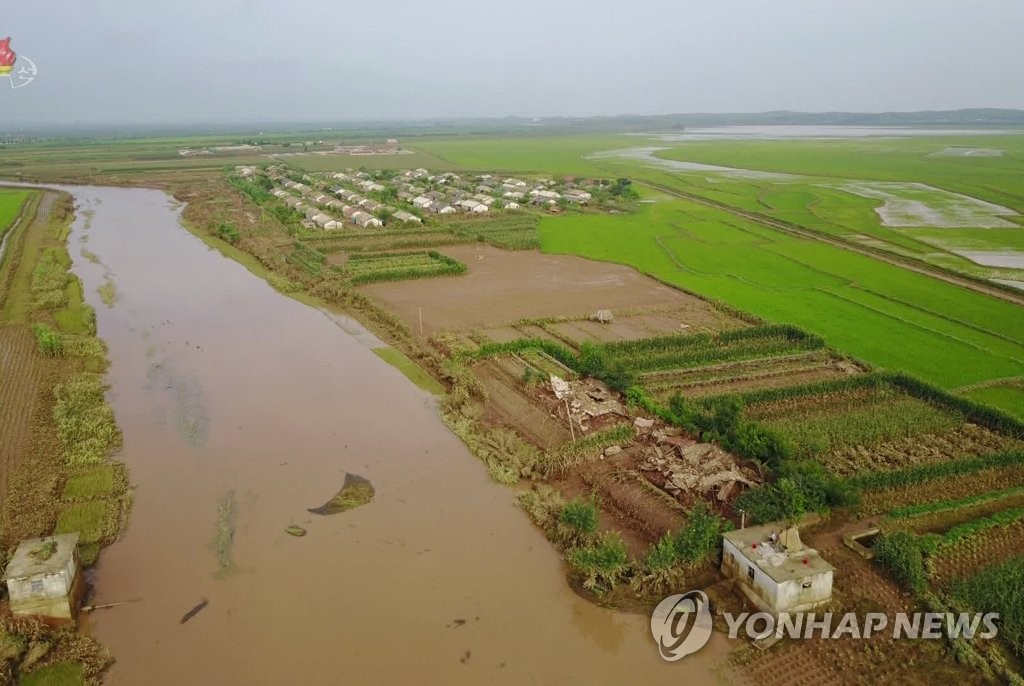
(885, 256)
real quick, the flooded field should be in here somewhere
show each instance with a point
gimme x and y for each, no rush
(241, 410)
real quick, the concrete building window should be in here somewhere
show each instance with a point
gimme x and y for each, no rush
(750, 573)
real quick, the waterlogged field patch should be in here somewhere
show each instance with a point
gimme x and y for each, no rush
(921, 205)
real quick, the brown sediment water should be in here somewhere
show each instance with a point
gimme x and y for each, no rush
(222, 385)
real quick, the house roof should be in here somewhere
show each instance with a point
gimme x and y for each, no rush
(774, 559)
(25, 565)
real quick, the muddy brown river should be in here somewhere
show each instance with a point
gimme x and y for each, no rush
(222, 385)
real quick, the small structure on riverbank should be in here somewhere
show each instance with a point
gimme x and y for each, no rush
(774, 570)
(44, 578)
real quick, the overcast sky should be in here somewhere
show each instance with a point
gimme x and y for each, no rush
(103, 61)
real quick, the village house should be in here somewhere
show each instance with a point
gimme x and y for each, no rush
(774, 570)
(441, 208)
(366, 221)
(322, 220)
(422, 202)
(407, 217)
(44, 578)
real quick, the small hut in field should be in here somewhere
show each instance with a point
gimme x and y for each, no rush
(44, 578)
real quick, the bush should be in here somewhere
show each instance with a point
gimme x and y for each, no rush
(902, 554)
(697, 542)
(50, 342)
(602, 564)
(579, 517)
(803, 486)
(227, 232)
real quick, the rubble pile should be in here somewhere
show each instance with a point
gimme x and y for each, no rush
(699, 468)
(587, 399)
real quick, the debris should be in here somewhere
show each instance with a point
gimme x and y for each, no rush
(602, 316)
(695, 453)
(560, 387)
(105, 606)
(612, 450)
(195, 610)
(642, 423)
(295, 530)
(699, 468)
(354, 492)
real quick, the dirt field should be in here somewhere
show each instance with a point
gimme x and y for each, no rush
(503, 286)
(19, 385)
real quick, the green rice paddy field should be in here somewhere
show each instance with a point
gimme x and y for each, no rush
(10, 204)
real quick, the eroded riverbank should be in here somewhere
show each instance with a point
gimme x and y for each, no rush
(222, 385)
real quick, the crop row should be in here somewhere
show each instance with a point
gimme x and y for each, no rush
(964, 559)
(942, 488)
(512, 232)
(937, 445)
(852, 433)
(698, 350)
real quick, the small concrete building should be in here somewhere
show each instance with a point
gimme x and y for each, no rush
(44, 579)
(774, 570)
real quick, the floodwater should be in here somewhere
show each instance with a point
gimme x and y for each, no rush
(647, 155)
(221, 385)
(815, 132)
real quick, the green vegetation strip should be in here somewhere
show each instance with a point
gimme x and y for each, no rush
(396, 358)
(874, 481)
(922, 509)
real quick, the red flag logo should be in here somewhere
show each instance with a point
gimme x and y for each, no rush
(7, 56)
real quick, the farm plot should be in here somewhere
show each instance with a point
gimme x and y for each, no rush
(382, 240)
(889, 494)
(747, 375)
(502, 286)
(373, 267)
(512, 232)
(629, 325)
(19, 381)
(11, 202)
(991, 547)
(699, 350)
(870, 423)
